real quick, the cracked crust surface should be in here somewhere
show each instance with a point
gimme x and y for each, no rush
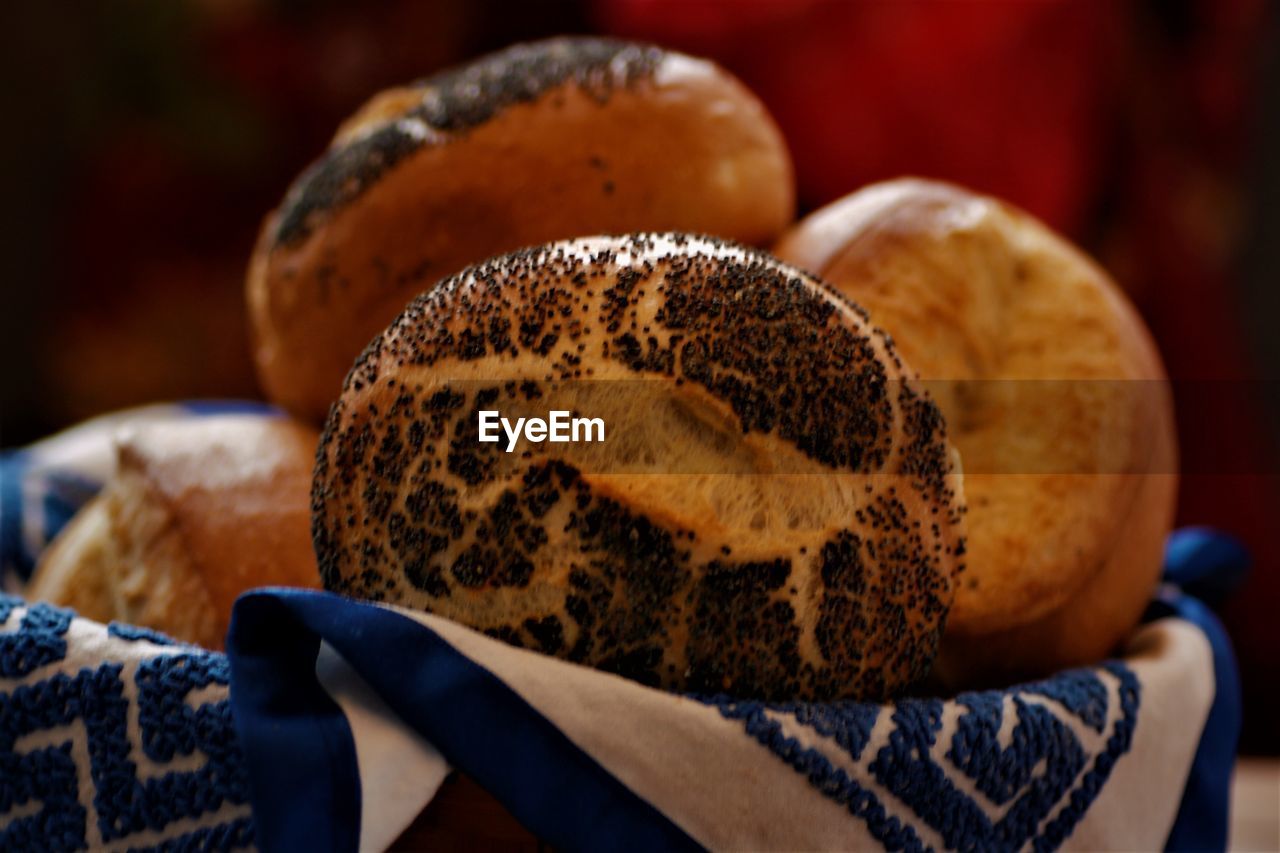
(774, 512)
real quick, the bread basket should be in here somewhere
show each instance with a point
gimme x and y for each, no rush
(332, 724)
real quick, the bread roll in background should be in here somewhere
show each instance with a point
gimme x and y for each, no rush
(1070, 482)
(538, 142)
(775, 511)
(197, 512)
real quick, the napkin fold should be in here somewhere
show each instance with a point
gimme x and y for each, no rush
(329, 724)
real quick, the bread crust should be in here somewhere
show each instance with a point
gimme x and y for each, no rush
(1056, 399)
(540, 142)
(197, 512)
(775, 511)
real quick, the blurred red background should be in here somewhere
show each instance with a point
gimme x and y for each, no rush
(148, 139)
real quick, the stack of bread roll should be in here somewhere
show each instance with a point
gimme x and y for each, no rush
(925, 437)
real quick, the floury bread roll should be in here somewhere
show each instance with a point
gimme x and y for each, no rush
(1055, 396)
(774, 510)
(197, 512)
(539, 142)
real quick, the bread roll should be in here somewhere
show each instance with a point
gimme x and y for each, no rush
(539, 142)
(774, 510)
(197, 512)
(1070, 482)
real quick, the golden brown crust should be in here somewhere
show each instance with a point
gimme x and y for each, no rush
(774, 511)
(539, 142)
(197, 512)
(1071, 481)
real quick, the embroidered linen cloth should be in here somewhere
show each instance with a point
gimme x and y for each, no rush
(329, 724)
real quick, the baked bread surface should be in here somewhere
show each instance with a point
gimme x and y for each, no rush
(197, 512)
(542, 141)
(1055, 396)
(775, 510)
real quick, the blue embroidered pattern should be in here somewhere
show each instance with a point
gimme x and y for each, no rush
(849, 724)
(149, 728)
(133, 790)
(1045, 772)
(39, 641)
(124, 631)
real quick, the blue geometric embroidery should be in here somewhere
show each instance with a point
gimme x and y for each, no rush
(125, 631)
(38, 642)
(44, 782)
(1117, 745)
(905, 769)
(849, 723)
(1080, 691)
(232, 835)
(1040, 768)
(45, 775)
(1002, 774)
(1038, 772)
(168, 727)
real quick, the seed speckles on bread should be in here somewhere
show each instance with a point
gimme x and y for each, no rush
(774, 513)
(454, 102)
(539, 142)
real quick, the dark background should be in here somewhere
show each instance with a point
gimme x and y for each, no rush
(146, 141)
